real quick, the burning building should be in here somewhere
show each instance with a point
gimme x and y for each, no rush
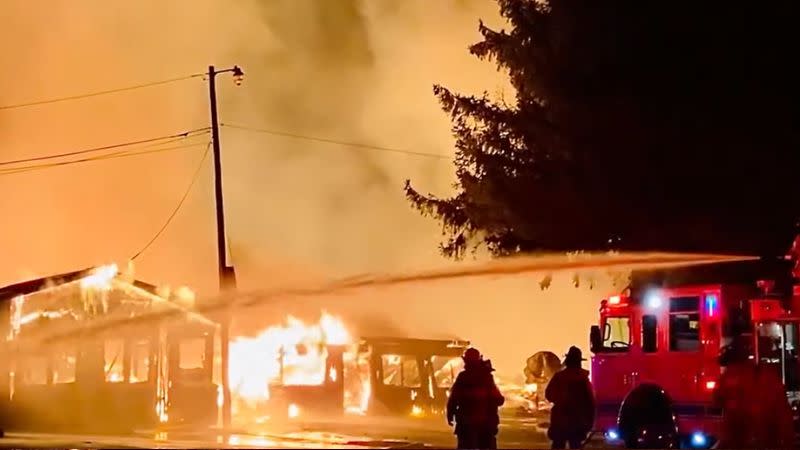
(289, 368)
(96, 350)
(411, 376)
(309, 370)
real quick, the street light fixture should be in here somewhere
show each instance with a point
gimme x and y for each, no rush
(236, 71)
(238, 75)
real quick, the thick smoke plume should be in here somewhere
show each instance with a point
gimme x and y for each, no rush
(350, 70)
(296, 209)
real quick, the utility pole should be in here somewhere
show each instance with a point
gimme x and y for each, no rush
(227, 275)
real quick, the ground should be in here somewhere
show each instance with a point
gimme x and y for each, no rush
(360, 432)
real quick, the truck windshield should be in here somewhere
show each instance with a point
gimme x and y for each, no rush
(617, 334)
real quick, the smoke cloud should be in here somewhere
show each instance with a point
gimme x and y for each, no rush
(352, 70)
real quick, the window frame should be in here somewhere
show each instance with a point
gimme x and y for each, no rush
(28, 366)
(646, 348)
(136, 344)
(403, 359)
(693, 314)
(119, 362)
(403, 377)
(607, 326)
(453, 373)
(385, 361)
(202, 352)
(65, 352)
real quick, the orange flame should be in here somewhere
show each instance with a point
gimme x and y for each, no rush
(100, 278)
(293, 354)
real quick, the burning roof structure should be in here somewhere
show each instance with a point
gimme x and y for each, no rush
(95, 293)
(96, 349)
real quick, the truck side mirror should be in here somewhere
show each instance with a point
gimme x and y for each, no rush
(595, 339)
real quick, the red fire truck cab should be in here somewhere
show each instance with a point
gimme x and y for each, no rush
(671, 335)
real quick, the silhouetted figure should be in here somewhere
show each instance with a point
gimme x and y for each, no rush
(755, 409)
(473, 404)
(494, 411)
(794, 253)
(572, 396)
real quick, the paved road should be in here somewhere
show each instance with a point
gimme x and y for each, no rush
(167, 441)
(514, 432)
(341, 433)
(361, 433)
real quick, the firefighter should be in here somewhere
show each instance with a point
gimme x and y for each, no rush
(494, 411)
(794, 253)
(755, 409)
(473, 403)
(572, 396)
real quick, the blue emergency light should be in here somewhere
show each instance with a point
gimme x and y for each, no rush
(711, 305)
(699, 439)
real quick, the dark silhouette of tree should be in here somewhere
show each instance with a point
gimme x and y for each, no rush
(636, 125)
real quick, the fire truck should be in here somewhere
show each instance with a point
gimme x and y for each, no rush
(668, 328)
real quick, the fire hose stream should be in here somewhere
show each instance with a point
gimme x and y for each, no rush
(506, 266)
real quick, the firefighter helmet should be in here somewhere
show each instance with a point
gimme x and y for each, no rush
(472, 355)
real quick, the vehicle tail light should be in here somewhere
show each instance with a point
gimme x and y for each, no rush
(711, 385)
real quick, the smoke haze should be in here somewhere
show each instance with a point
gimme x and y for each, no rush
(350, 70)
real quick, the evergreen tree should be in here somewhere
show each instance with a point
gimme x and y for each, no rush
(635, 125)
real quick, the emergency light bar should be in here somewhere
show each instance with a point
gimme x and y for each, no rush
(711, 305)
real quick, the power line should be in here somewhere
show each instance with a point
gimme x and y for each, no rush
(178, 206)
(98, 93)
(176, 136)
(336, 142)
(120, 154)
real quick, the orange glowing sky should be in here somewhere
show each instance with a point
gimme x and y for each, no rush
(292, 205)
(295, 209)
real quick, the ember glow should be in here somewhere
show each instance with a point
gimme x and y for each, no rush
(294, 411)
(358, 388)
(100, 278)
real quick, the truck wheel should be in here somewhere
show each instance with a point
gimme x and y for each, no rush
(646, 419)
